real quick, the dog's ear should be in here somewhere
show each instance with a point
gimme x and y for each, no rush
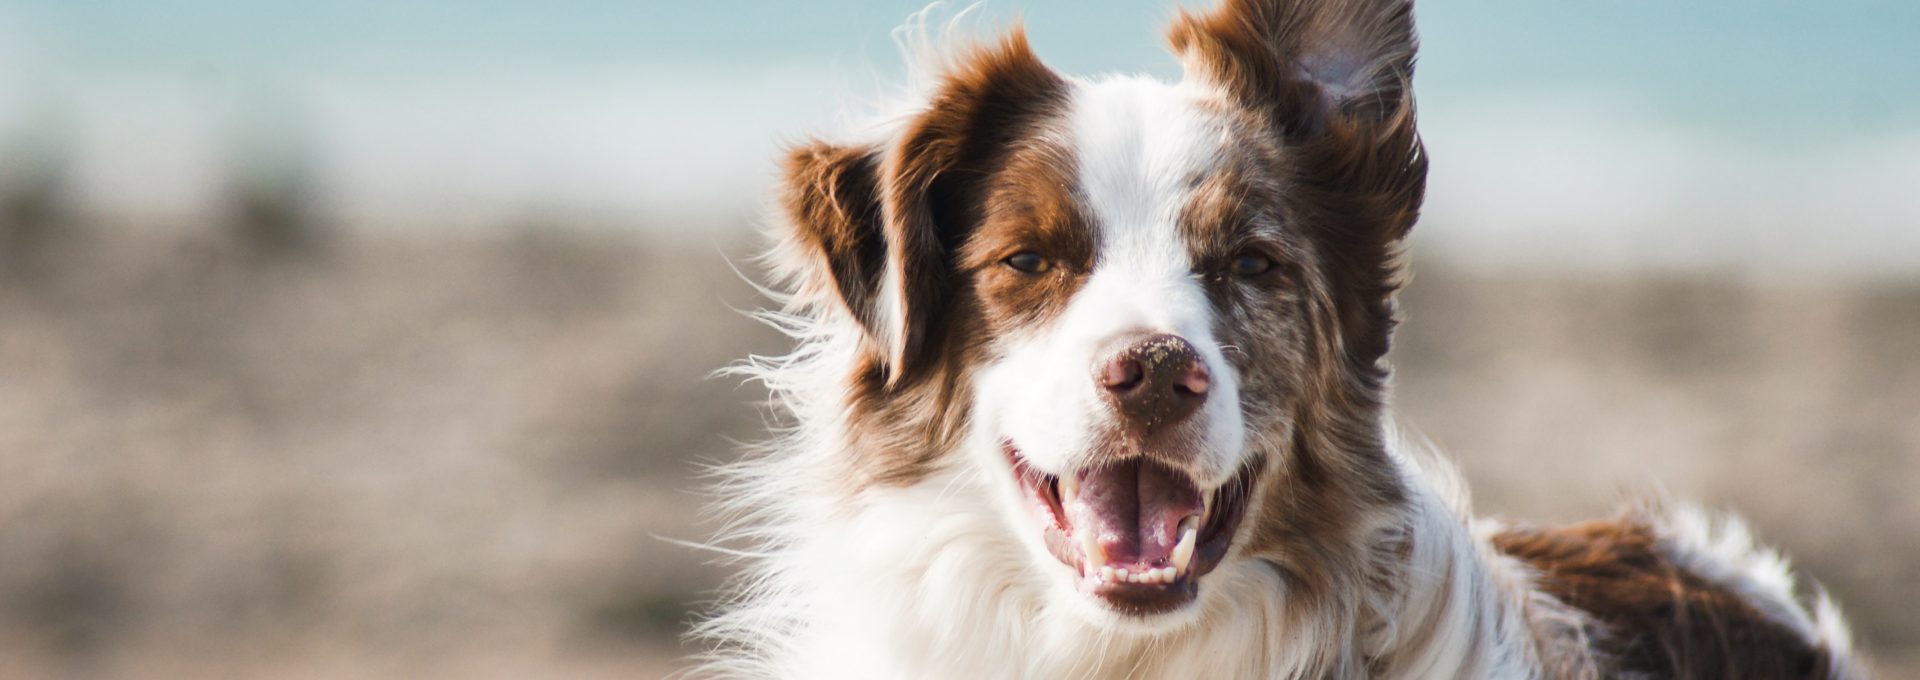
(882, 223)
(1316, 66)
(1334, 79)
(832, 200)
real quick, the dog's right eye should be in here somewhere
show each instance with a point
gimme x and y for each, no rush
(1031, 263)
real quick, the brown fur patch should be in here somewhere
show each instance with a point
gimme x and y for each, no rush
(1659, 620)
(1327, 190)
(1030, 209)
(967, 182)
(831, 200)
(1332, 80)
(940, 177)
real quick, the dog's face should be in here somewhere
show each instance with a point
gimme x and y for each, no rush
(1145, 304)
(1140, 310)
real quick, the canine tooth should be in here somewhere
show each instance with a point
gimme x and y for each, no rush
(1183, 550)
(1090, 546)
(1069, 489)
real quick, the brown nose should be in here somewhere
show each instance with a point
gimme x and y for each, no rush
(1154, 381)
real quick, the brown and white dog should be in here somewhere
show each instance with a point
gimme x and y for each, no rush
(1090, 383)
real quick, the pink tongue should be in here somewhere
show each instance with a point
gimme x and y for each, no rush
(1134, 508)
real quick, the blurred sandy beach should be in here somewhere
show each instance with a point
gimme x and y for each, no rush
(388, 456)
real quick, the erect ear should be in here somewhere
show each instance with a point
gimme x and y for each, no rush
(1334, 79)
(1314, 65)
(881, 224)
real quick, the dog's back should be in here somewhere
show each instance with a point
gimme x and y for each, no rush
(1674, 596)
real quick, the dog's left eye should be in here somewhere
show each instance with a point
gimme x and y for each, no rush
(1249, 265)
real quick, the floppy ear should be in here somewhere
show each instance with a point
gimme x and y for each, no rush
(832, 202)
(1334, 79)
(881, 223)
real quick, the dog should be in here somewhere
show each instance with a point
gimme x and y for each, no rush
(1089, 382)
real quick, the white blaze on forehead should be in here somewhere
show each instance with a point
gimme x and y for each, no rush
(1141, 144)
(1138, 146)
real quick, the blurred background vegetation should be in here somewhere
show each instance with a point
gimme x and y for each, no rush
(370, 339)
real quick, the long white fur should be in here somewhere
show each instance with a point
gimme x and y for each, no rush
(942, 579)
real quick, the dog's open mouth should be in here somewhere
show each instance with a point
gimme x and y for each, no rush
(1140, 533)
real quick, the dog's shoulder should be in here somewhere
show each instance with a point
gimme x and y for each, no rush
(1681, 596)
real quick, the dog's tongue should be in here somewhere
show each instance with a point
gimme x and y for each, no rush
(1133, 510)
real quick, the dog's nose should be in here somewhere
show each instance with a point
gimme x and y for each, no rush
(1154, 381)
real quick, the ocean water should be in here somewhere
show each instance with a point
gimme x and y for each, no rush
(1612, 132)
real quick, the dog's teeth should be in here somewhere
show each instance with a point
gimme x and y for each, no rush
(1183, 550)
(1069, 489)
(1146, 577)
(1090, 547)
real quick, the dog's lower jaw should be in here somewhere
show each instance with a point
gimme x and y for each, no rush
(1175, 531)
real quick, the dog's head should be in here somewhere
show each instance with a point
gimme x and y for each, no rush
(1153, 315)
